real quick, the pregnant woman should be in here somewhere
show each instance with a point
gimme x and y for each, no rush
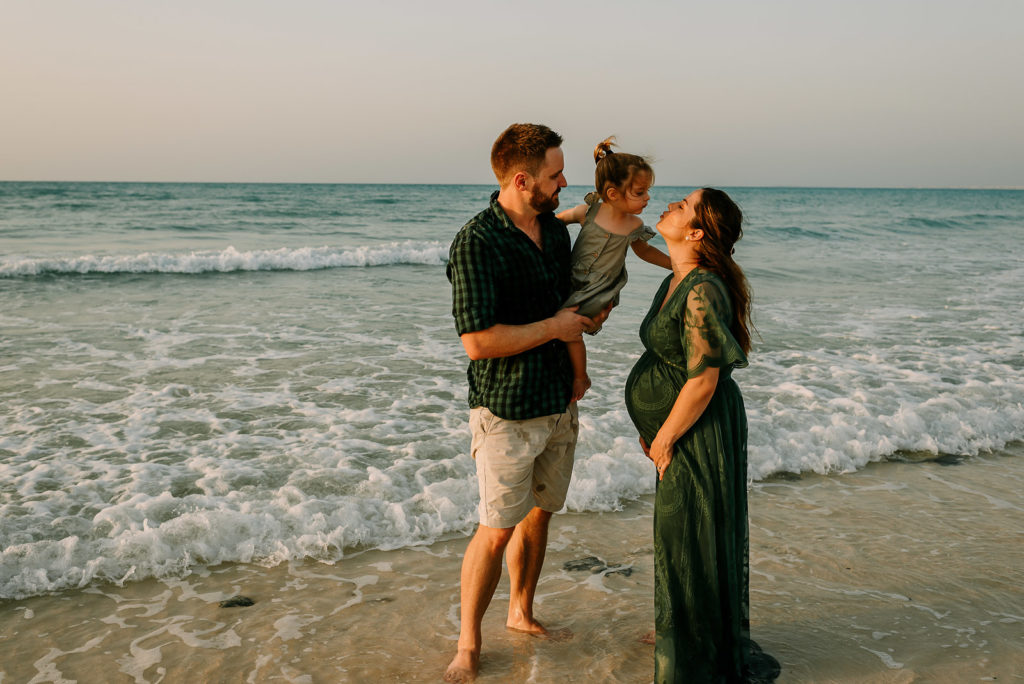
(692, 425)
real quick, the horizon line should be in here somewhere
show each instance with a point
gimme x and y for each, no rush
(571, 185)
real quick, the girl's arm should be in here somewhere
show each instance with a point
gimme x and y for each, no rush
(690, 404)
(574, 215)
(651, 254)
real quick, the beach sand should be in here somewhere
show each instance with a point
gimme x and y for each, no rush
(902, 572)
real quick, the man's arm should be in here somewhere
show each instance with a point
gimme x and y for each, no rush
(502, 340)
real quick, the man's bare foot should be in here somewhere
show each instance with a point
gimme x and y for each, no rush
(648, 639)
(535, 629)
(463, 667)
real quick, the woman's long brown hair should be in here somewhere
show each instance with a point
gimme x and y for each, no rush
(720, 219)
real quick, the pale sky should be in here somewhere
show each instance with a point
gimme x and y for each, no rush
(861, 93)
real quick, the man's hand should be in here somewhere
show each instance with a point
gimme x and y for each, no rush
(501, 340)
(568, 326)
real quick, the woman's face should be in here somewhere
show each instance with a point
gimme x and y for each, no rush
(675, 221)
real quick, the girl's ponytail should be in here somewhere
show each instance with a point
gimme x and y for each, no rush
(616, 170)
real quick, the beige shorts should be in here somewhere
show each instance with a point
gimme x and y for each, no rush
(522, 463)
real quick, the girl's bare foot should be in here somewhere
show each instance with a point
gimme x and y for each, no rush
(580, 387)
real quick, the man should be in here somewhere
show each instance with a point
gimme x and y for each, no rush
(509, 268)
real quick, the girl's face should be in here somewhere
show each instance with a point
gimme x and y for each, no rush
(633, 198)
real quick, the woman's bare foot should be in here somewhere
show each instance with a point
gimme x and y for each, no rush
(463, 668)
(647, 639)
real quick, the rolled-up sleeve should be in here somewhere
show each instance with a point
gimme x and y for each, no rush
(473, 288)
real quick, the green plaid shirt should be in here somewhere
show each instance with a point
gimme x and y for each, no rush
(499, 276)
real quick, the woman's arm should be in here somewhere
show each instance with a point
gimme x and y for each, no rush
(690, 404)
(574, 215)
(651, 254)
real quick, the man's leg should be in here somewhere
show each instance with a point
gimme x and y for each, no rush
(525, 557)
(552, 471)
(481, 570)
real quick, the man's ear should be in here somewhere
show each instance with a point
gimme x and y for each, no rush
(520, 180)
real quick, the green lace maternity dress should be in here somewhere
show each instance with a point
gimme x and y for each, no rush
(700, 515)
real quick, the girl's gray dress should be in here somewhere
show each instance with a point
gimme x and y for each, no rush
(599, 263)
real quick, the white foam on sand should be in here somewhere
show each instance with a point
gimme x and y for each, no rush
(292, 453)
(896, 570)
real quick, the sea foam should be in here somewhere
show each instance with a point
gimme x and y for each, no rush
(149, 425)
(229, 260)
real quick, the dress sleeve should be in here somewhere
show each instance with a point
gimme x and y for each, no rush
(644, 233)
(707, 340)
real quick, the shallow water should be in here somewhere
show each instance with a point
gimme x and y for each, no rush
(900, 572)
(196, 374)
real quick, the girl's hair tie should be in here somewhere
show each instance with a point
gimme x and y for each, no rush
(604, 149)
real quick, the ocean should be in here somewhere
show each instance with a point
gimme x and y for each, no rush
(194, 374)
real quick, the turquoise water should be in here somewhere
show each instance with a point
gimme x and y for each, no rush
(192, 374)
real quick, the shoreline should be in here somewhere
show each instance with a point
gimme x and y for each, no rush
(900, 572)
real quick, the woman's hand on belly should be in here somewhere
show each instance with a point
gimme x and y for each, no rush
(657, 456)
(660, 452)
(687, 409)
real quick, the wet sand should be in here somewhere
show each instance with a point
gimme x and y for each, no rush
(901, 572)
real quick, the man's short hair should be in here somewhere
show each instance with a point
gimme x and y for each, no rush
(521, 147)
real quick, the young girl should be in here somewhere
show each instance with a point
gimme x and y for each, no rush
(609, 223)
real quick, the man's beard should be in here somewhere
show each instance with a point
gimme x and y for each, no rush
(542, 203)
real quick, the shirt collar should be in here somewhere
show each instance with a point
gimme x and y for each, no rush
(499, 211)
